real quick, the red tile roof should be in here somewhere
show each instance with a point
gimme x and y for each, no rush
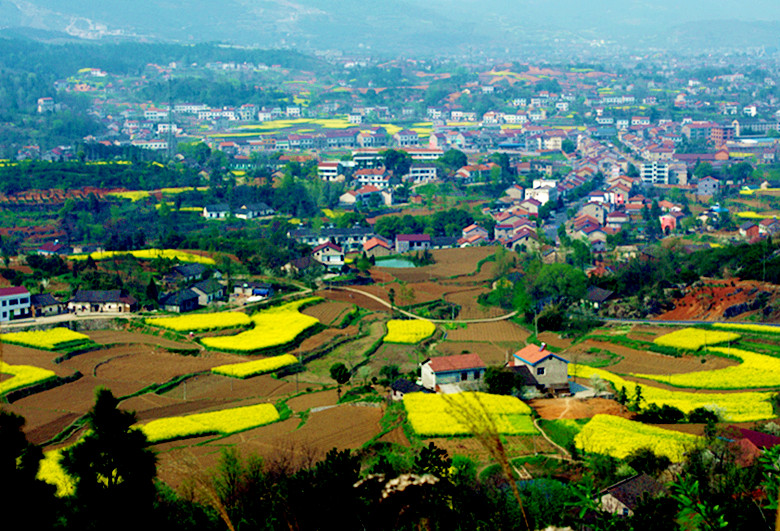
(533, 354)
(16, 290)
(458, 362)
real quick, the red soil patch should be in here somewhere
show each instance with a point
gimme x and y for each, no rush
(575, 408)
(323, 338)
(710, 300)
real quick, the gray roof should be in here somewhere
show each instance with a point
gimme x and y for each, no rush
(43, 299)
(97, 296)
(208, 286)
(177, 298)
(190, 270)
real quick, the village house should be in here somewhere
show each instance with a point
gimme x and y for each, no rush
(708, 186)
(549, 369)
(44, 304)
(209, 290)
(457, 369)
(378, 246)
(252, 288)
(330, 255)
(220, 211)
(184, 300)
(102, 301)
(401, 386)
(412, 242)
(254, 210)
(14, 303)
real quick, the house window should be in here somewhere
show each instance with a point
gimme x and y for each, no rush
(5, 315)
(5, 303)
(464, 376)
(540, 371)
(625, 511)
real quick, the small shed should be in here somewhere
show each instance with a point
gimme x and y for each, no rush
(400, 387)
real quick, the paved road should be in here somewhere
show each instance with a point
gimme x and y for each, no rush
(413, 316)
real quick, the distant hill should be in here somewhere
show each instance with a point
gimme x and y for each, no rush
(412, 26)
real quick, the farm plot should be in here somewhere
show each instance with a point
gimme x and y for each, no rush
(158, 366)
(406, 357)
(328, 313)
(201, 321)
(499, 331)
(574, 408)
(459, 262)
(341, 427)
(490, 353)
(618, 437)
(52, 339)
(213, 386)
(408, 331)
(646, 362)
(515, 446)
(349, 353)
(554, 340)
(112, 337)
(469, 307)
(459, 414)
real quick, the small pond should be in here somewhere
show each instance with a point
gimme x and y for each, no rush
(397, 263)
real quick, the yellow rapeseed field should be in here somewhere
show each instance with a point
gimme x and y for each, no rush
(618, 437)
(50, 339)
(272, 327)
(755, 371)
(408, 331)
(746, 406)
(149, 254)
(694, 338)
(252, 368)
(224, 422)
(201, 321)
(437, 415)
(22, 376)
(764, 329)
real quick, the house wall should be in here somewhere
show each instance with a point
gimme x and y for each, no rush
(555, 371)
(612, 505)
(428, 376)
(14, 306)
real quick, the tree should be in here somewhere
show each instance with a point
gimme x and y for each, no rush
(453, 160)
(27, 502)
(499, 381)
(340, 373)
(397, 162)
(113, 469)
(559, 283)
(152, 293)
(568, 146)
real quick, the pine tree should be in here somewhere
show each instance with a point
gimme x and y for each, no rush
(113, 469)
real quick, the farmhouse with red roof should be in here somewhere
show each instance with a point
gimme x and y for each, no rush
(457, 369)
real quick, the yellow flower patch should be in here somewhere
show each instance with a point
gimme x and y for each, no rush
(201, 321)
(149, 254)
(51, 339)
(22, 376)
(272, 327)
(52, 473)
(437, 415)
(408, 331)
(746, 406)
(252, 368)
(694, 338)
(764, 329)
(618, 437)
(224, 422)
